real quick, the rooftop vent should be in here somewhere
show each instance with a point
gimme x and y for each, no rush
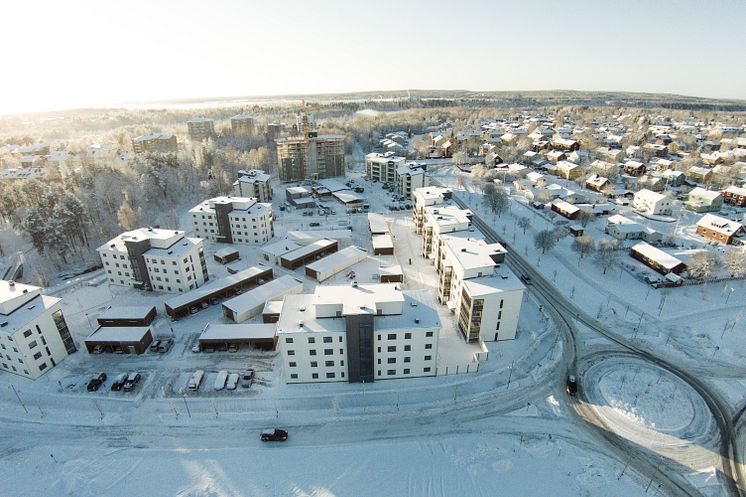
(417, 320)
(11, 283)
(300, 324)
(354, 284)
(31, 307)
(150, 228)
(413, 304)
(3, 324)
(25, 290)
(302, 308)
(463, 249)
(170, 252)
(112, 246)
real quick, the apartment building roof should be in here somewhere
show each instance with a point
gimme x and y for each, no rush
(447, 216)
(237, 203)
(253, 176)
(299, 311)
(431, 194)
(159, 238)
(705, 194)
(472, 253)
(118, 333)
(504, 281)
(28, 311)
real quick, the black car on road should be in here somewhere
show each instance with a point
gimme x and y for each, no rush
(276, 435)
(96, 382)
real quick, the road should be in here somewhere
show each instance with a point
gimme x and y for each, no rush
(567, 312)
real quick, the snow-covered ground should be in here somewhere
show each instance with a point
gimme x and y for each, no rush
(686, 322)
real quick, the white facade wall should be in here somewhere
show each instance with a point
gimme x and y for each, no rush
(117, 265)
(176, 273)
(253, 228)
(649, 202)
(405, 353)
(317, 357)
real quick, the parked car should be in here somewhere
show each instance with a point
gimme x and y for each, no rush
(314, 224)
(165, 345)
(97, 349)
(196, 348)
(359, 189)
(572, 384)
(232, 347)
(221, 379)
(154, 345)
(196, 380)
(276, 435)
(119, 382)
(247, 378)
(132, 380)
(96, 382)
(232, 381)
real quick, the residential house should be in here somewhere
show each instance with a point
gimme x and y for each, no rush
(719, 229)
(735, 195)
(701, 200)
(652, 203)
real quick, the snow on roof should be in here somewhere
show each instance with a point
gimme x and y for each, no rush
(17, 310)
(735, 190)
(719, 224)
(347, 197)
(565, 206)
(472, 253)
(297, 189)
(225, 252)
(127, 312)
(706, 194)
(504, 281)
(307, 237)
(655, 254)
(260, 295)
(253, 176)
(118, 334)
(382, 241)
(200, 120)
(250, 331)
(377, 224)
(338, 260)
(215, 286)
(649, 195)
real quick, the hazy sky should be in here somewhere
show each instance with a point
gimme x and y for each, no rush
(61, 54)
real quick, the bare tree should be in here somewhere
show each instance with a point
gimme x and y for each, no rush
(584, 245)
(607, 254)
(524, 223)
(735, 259)
(703, 264)
(460, 181)
(497, 199)
(545, 240)
(584, 217)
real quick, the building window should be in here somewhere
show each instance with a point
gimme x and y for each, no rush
(407, 348)
(288, 340)
(37, 355)
(314, 364)
(391, 336)
(391, 360)
(42, 367)
(428, 358)
(315, 376)
(428, 346)
(406, 371)
(291, 352)
(428, 333)
(328, 351)
(379, 337)
(327, 339)
(294, 376)
(329, 364)
(27, 333)
(312, 352)
(407, 336)
(340, 339)
(407, 359)
(292, 364)
(32, 344)
(426, 370)
(391, 372)
(501, 304)
(391, 348)
(311, 340)
(330, 375)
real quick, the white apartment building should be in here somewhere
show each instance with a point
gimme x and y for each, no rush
(233, 220)
(485, 297)
(423, 197)
(410, 177)
(253, 183)
(440, 220)
(649, 202)
(358, 333)
(382, 167)
(155, 259)
(33, 333)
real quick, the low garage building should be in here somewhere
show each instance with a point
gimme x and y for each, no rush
(128, 339)
(390, 274)
(251, 303)
(271, 311)
(140, 315)
(330, 265)
(655, 258)
(180, 305)
(226, 255)
(383, 245)
(309, 253)
(263, 336)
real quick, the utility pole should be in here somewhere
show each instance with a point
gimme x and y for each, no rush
(511, 374)
(187, 406)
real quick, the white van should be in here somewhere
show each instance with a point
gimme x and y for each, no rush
(220, 380)
(196, 380)
(232, 381)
